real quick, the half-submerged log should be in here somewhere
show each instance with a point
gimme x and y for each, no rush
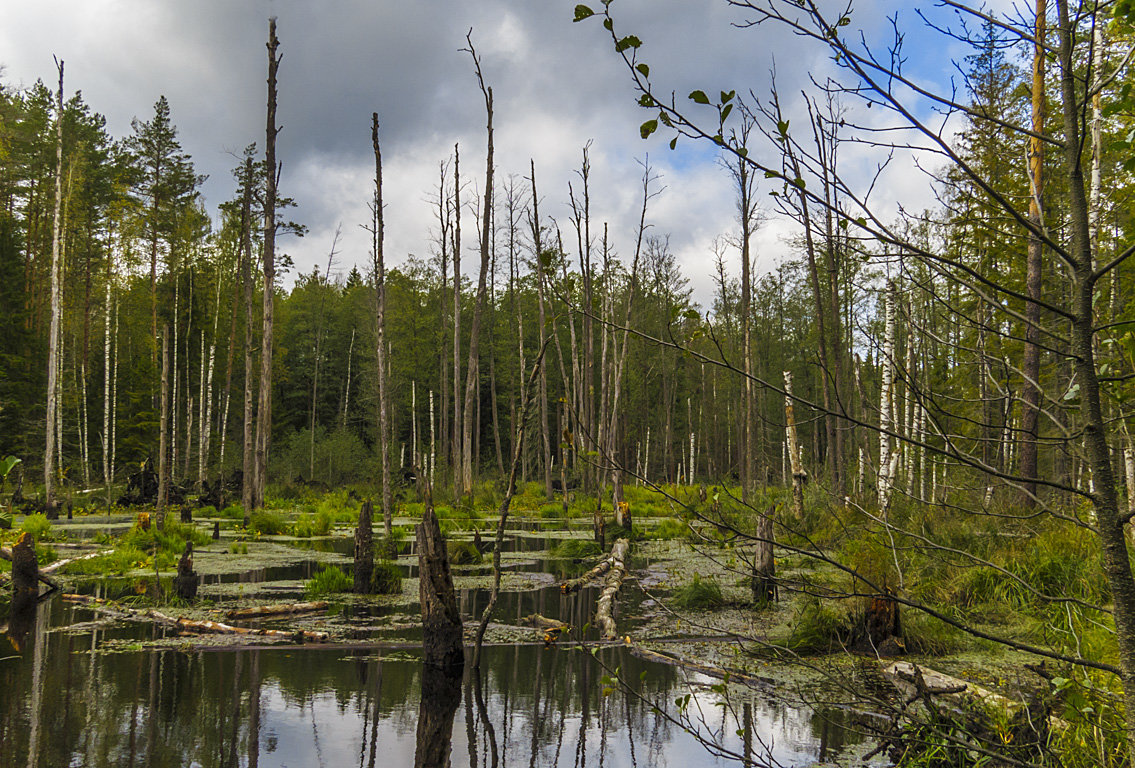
(259, 611)
(364, 550)
(192, 626)
(604, 609)
(186, 582)
(441, 621)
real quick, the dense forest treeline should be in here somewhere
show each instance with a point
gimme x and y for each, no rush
(139, 252)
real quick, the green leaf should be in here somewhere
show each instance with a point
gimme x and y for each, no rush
(674, 142)
(699, 97)
(6, 465)
(771, 175)
(582, 12)
(782, 127)
(799, 182)
(727, 97)
(725, 112)
(646, 100)
(643, 69)
(665, 119)
(608, 25)
(630, 41)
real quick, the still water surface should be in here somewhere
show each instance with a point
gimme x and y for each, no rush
(62, 704)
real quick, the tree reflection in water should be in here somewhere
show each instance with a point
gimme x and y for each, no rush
(63, 704)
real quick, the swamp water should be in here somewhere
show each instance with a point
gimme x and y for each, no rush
(79, 689)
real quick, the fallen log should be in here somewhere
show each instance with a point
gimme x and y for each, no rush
(731, 675)
(908, 678)
(194, 626)
(542, 622)
(604, 565)
(258, 611)
(60, 563)
(615, 575)
(216, 627)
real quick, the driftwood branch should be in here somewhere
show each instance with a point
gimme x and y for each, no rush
(259, 611)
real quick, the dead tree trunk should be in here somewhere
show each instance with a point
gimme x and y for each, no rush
(604, 610)
(264, 413)
(380, 350)
(764, 566)
(795, 457)
(472, 373)
(441, 621)
(364, 551)
(56, 312)
(248, 463)
(539, 266)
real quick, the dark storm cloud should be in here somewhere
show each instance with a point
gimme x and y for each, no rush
(557, 85)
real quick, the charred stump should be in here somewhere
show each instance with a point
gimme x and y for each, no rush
(186, 581)
(881, 631)
(441, 621)
(364, 551)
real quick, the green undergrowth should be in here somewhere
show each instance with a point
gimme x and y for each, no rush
(575, 548)
(387, 578)
(464, 553)
(329, 580)
(137, 548)
(698, 595)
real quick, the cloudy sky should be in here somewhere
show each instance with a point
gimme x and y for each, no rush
(557, 86)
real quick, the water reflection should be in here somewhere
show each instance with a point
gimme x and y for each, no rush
(68, 699)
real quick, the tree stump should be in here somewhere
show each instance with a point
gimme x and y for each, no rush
(217, 531)
(441, 621)
(25, 568)
(186, 582)
(364, 551)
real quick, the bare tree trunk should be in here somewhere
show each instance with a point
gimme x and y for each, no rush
(887, 456)
(248, 463)
(1030, 414)
(107, 467)
(456, 446)
(795, 451)
(472, 372)
(318, 352)
(380, 351)
(538, 263)
(56, 313)
(163, 429)
(264, 412)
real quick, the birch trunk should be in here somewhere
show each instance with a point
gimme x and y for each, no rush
(795, 452)
(886, 423)
(49, 454)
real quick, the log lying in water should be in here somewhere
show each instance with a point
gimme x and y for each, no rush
(615, 575)
(259, 611)
(542, 622)
(194, 626)
(604, 565)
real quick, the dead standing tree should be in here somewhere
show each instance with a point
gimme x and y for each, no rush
(441, 620)
(378, 235)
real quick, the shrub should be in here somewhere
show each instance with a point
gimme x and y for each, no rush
(699, 595)
(329, 581)
(464, 553)
(239, 548)
(267, 523)
(207, 511)
(387, 578)
(232, 512)
(38, 527)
